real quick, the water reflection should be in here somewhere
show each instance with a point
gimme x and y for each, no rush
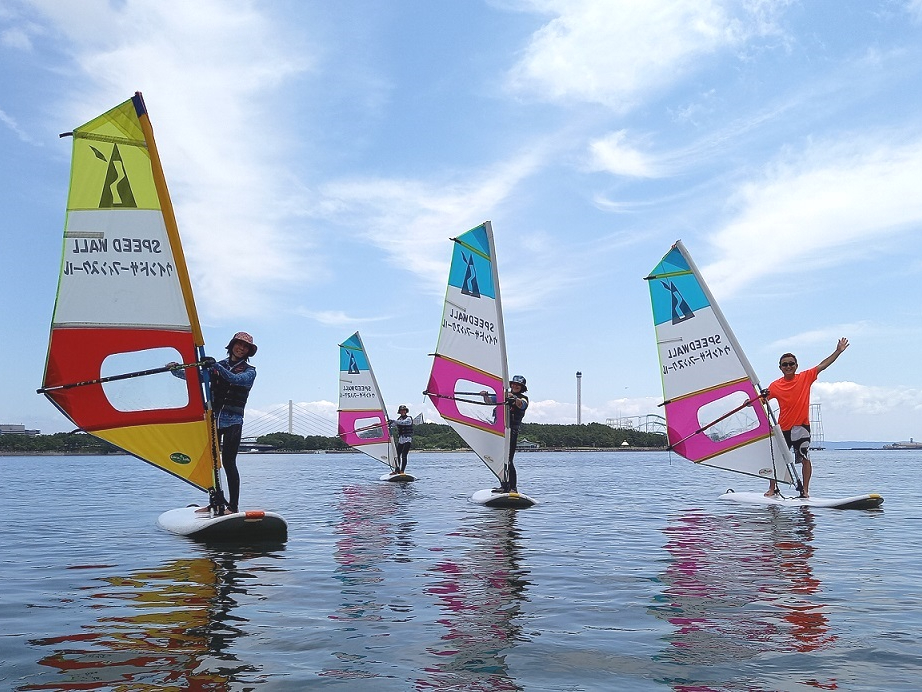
(375, 531)
(480, 598)
(741, 586)
(171, 627)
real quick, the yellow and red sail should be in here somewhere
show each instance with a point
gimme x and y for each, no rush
(124, 304)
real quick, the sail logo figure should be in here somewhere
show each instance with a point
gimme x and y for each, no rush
(116, 190)
(353, 366)
(680, 308)
(469, 285)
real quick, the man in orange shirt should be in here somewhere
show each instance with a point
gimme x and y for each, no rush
(792, 391)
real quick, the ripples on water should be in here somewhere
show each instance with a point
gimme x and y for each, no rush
(630, 575)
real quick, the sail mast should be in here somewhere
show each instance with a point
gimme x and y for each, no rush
(731, 337)
(501, 331)
(185, 283)
(169, 219)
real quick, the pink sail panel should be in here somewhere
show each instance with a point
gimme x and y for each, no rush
(446, 395)
(357, 428)
(688, 415)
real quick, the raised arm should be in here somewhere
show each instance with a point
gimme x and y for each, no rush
(831, 358)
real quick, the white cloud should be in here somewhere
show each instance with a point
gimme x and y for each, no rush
(914, 8)
(16, 38)
(827, 336)
(411, 220)
(864, 400)
(338, 317)
(618, 52)
(611, 154)
(210, 72)
(833, 201)
(11, 123)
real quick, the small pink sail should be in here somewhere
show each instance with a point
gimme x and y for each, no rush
(363, 421)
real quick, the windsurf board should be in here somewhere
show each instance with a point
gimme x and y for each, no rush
(869, 501)
(488, 498)
(199, 523)
(398, 477)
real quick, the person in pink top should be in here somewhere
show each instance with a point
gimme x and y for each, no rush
(792, 390)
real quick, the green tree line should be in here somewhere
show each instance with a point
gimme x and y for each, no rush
(440, 436)
(425, 436)
(62, 443)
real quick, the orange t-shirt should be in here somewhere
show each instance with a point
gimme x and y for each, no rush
(793, 398)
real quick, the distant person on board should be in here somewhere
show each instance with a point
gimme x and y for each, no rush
(792, 391)
(516, 402)
(403, 431)
(231, 381)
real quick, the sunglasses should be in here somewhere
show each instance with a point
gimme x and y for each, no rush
(788, 365)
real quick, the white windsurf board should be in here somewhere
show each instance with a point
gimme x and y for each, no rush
(869, 501)
(198, 522)
(398, 477)
(488, 498)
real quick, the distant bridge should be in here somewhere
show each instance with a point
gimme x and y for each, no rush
(293, 419)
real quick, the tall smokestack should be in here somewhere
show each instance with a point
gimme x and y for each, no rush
(579, 397)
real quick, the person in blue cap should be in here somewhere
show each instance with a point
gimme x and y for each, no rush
(517, 403)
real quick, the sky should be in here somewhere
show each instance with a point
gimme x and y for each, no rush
(320, 155)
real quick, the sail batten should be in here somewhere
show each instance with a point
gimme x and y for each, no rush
(362, 416)
(124, 305)
(470, 358)
(714, 413)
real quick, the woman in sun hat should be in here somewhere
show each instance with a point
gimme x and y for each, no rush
(231, 381)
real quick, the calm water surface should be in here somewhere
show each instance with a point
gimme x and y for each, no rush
(630, 575)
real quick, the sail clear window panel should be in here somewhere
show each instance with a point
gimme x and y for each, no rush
(369, 428)
(470, 402)
(735, 424)
(154, 392)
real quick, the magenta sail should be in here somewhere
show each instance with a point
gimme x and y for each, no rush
(469, 372)
(714, 414)
(363, 422)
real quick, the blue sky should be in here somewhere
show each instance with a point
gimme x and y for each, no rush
(321, 154)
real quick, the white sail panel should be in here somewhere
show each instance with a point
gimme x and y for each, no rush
(696, 359)
(118, 269)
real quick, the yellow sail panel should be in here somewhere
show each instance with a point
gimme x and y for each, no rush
(183, 449)
(111, 164)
